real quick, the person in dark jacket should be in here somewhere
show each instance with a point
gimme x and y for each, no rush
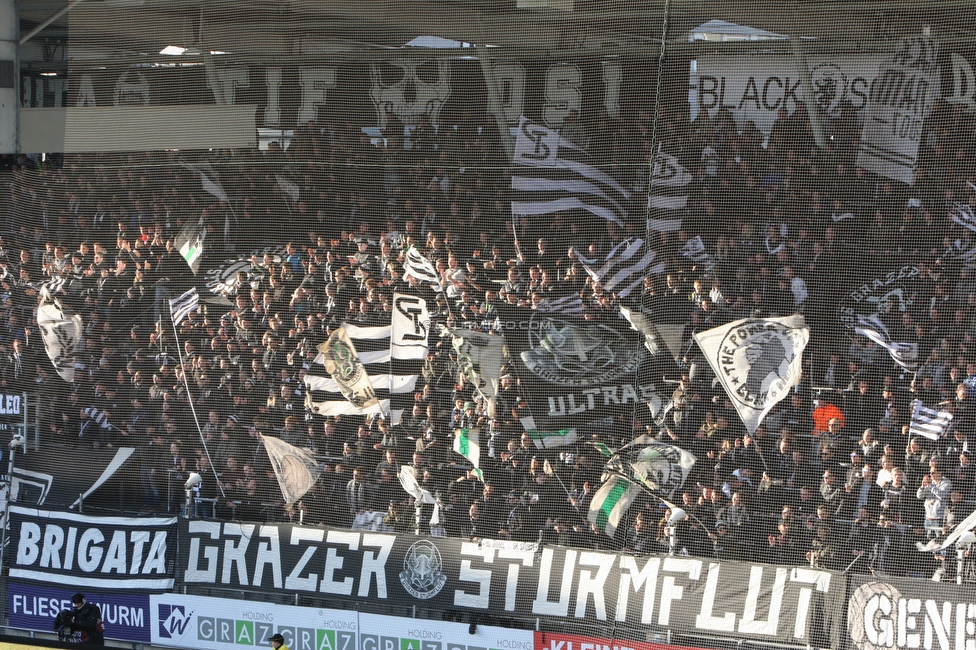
(86, 619)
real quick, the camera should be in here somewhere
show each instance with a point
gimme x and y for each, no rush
(194, 480)
(18, 440)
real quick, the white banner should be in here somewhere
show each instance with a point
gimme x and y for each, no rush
(754, 88)
(221, 624)
(901, 97)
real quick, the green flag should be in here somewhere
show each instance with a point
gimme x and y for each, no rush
(548, 439)
(466, 443)
(610, 503)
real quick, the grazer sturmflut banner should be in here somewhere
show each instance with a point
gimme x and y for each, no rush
(103, 553)
(904, 613)
(763, 602)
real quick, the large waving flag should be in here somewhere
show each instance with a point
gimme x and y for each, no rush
(208, 179)
(480, 357)
(408, 479)
(62, 332)
(548, 439)
(757, 361)
(419, 266)
(624, 268)
(611, 502)
(371, 369)
(551, 174)
(668, 194)
(296, 469)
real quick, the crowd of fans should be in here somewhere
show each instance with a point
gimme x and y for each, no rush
(832, 477)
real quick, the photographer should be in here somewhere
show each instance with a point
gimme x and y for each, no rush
(85, 620)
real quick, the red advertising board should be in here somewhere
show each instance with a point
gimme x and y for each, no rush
(559, 641)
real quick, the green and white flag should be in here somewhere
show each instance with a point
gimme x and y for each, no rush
(611, 502)
(190, 244)
(466, 443)
(548, 439)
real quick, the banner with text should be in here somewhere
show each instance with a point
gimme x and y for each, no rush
(34, 607)
(787, 605)
(900, 613)
(107, 553)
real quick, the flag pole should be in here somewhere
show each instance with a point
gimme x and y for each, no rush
(193, 410)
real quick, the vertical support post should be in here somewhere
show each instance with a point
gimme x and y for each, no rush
(9, 77)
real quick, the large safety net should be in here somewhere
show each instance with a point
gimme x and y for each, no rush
(640, 280)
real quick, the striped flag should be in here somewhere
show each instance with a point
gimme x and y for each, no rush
(551, 174)
(904, 354)
(624, 268)
(611, 502)
(390, 358)
(208, 179)
(548, 439)
(466, 443)
(290, 189)
(180, 308)
(417, 265)
(928, 423)
(668, 193)
(571, 305)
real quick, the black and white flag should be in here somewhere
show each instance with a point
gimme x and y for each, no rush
(181, 307)
(208, 179)
(694, 250)
(551, 174)
(928, 423)
(757, 361)
(62, 332)
(904, 354)
(668, 195)
(419, 266)
(387, 358)
(571, 305)
(624, 268)
(290, 189)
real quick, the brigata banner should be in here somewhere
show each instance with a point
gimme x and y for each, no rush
(35, 606)
(394, 633)
(222, 624)
(904, 613)
(559, 641)
(86, 552)
(789, 605)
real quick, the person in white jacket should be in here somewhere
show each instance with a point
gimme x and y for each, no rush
(934, 492)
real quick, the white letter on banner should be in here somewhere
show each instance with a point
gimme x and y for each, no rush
(272, 111)
(963, 81)
(138, 539)
(53, 541)
(27, 546)
(334, 562)
(88, 557)
(749, 624)
(315, 81)
(670, 591)
(562, 93)
(235, 554)
(541, 604)
(940, 624)
(705, 620)
(115, 558)
(269, 552)
(589, 585)
(646, 576)
(293, 581)
(192, 573)
(375, 566)
(810, 577)
(480, 576)
(511, 581)
(156, 562)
